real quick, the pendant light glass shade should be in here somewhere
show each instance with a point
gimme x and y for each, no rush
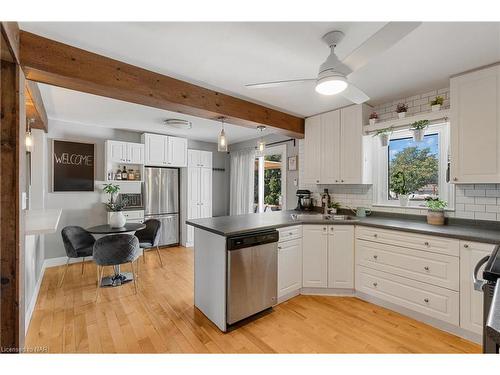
(222, 140)
(261, 144)
(28, 137)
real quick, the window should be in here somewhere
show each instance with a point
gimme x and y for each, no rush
(270, 179)
(424, 165)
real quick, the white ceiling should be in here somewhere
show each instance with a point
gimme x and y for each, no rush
(86, 109)
(226, 56)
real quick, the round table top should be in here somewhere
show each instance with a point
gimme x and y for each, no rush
(107, 229)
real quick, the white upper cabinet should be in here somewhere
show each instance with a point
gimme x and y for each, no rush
(336, 151)
(124, 152)
(199, 158)
(475, 126)
(161, 150)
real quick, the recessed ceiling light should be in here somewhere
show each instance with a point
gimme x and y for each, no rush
(178, 123)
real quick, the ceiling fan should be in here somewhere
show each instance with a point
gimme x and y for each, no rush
(333, 76)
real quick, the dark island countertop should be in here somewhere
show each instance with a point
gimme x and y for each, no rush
(469, 230)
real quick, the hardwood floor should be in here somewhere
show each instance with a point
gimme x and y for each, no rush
(161, 318)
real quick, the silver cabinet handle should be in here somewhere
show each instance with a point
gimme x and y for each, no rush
(375, 284)
(341, 180)
(466, 246)
(426, 268)
(317, 181)
(455, 179)
(375, 235)
(279, 247)
(336, 180)
(426, 300)
(290, 233)
(426, 243)
(375, 256)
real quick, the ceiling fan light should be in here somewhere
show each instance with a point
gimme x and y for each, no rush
(331, 85)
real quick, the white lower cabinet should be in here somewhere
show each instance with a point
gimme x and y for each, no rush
(341, 256)
(471, 301)
(315, 256)
(289, 267)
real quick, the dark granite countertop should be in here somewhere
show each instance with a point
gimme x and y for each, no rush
(128, 209)
(470, 230)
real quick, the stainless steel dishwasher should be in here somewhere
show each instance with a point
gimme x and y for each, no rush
(252, 274)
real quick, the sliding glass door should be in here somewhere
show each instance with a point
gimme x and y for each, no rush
(270, 180)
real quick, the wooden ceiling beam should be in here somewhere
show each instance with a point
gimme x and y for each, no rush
(10, 31)
(54, 63)
(35, 110)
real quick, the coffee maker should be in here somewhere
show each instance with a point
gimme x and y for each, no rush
(304, 200)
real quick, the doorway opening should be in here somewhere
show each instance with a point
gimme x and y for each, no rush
(270, 180)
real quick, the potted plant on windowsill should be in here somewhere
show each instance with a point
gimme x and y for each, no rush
(401, 110)
(418, 129)
(400, 187)
(117, 219)
(373, 118)
(384, 135)
(435, 212)
(437, 103)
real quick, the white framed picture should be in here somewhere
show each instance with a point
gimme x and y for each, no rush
(292, 163)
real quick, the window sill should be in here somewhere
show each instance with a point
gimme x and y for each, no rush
(410, 207)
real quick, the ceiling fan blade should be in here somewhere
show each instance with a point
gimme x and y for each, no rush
(354, 94)
(290, 82)
(382, 40)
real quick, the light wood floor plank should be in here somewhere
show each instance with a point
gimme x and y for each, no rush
(161, 318)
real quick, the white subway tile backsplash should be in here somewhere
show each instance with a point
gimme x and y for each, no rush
(484, 200)
(475, 207)
(485, 216)
(466, 200)
(475, 193)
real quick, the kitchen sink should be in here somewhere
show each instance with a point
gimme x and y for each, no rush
(315, 217)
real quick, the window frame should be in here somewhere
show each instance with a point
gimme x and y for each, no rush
(278, 149)
(381, 157)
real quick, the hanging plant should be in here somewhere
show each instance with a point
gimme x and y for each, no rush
(373, 118)
(418, 129)
(401, 110)
(384, 135)
(437, 103)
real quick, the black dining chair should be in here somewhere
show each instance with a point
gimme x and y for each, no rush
(113, 251)
(149, 237)
(78, 243)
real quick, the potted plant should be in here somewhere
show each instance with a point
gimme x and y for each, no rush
(418, 129)
(373, 118)
(401, 110)
(435, 212)
(117, 219)
(437, 103)
(400, 187)
(384, 135)
(333, 207)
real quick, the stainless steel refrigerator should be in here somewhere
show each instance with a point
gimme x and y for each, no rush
(161, 201)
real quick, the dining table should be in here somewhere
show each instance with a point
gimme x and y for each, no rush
(118, 278)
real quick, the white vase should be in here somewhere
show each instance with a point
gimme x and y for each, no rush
(418, 135)
(403, 200)
(372, 121)
(435, 107)
(384, 139)
(401, 114)
(117, 219)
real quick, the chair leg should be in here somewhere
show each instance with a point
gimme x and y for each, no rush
(99, 273)
(64, 273)
(98, 279)
(134, 274)
(159, 256)
(144, 255)
(83, 265)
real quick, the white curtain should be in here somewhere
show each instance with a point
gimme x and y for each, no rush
(242, 182)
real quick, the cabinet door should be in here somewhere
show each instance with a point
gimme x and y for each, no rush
(289, 267)
(135, 153)
(155, 149)
(471, 301)
(315, 256)
(475, 126)
(341, 256)
(117, 151)
(351, 155)
(330, 148)
(177, 152)
(205, 192)
(206, 159)
(194, 158)
(193, 194)
(312, 150)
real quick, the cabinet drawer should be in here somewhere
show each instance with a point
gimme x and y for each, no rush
(436, 269)
(439, 303)
(435, 244)
(290, 233)
(133, 215)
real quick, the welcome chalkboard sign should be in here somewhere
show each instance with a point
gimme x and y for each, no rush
(72, 166)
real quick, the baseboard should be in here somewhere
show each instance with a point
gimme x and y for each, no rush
(328, 292)
(287, 296)
(439, 324)
(34, 299)
(61, 261)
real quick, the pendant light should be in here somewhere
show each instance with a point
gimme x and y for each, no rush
(222, 140)
(28, 137)
(261, 144)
